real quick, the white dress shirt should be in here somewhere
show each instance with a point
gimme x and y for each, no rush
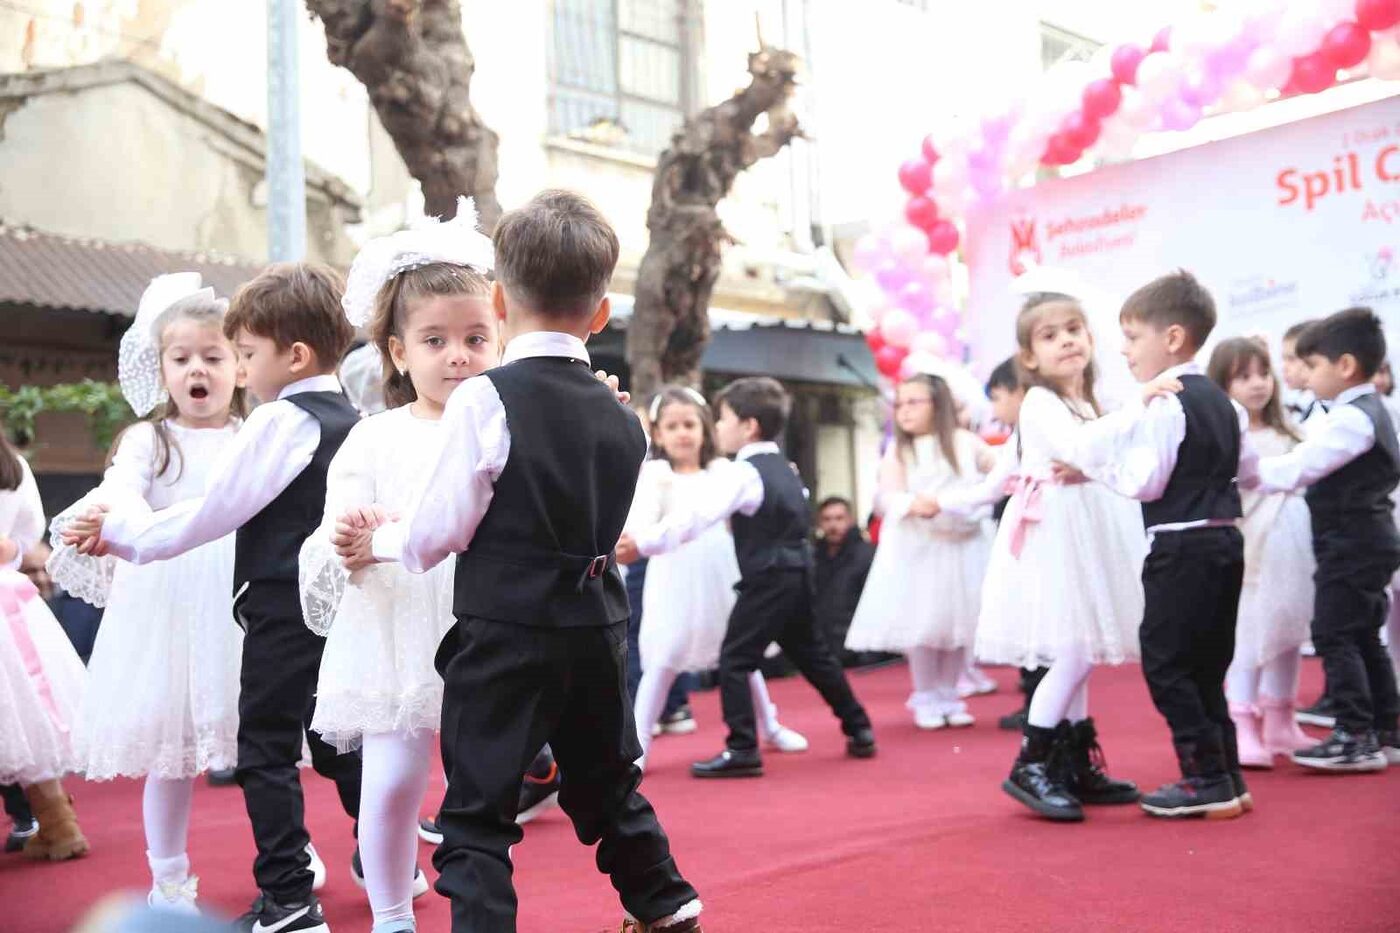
(461, 483)
(1333, 440)
(271, 449)
(1134, 450)
(968, 502)
(737, 490)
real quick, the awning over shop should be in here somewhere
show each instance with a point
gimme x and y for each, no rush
(743, 344)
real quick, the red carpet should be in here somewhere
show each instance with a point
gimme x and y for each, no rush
(921, 838)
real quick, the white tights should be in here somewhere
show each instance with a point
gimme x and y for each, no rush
(165, 810)
(934, 673)
(1278, 679)
(1064, 693)
(656, 684)
(391, 790)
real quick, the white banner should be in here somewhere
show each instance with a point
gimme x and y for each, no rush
(1282, 225)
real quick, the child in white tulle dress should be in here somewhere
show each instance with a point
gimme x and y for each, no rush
(41, 677)
(1276, 601)
(162, 700)
(689, 592)
(425, 296)
(1063, 587)
(924, 591)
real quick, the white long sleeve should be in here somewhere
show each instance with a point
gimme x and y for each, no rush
(1333, 440)
(25, 513)
(321, 575)
(737, 489)
(274, 445)
(966, 502)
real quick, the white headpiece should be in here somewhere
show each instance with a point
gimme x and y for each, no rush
(138, 360)
(427, 240)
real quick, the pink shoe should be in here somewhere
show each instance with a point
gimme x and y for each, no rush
(1281, 733)
(1252, 751)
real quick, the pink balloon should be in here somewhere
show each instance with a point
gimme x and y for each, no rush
(908, 244)
(1159, 76)
(1125, 61)
(915, 176)
(1079, 130)
(916, 297)
(1345, 45)
(1178, 114)
(933, 269)
(868, 253)
(987, 184)
(1313, 73)
(1267, 68)
(922, 212)
(930, 342)
(950, 176)
(946, 321)
(1202, 90)
(891, 275)
(1163, 40)
(888, 360)
(1377, 15)
(1102, 98)
(1230, 59)
(943, 238)
(930, 152)
(898, 328)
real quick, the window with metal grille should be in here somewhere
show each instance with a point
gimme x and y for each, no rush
(1057, 44)
(620, 71)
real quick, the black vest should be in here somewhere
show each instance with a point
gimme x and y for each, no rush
(542, 554)
(1356, 499)
(267, 546)
(1202, 485)
(774, 537)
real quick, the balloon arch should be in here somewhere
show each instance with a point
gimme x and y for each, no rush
(1229, 59)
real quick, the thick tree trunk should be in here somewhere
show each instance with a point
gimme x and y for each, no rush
(670, 326)
(412, 58)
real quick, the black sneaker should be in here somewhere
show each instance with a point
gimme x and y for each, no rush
(1013, 722)
(357, 875)
(1032, 783)
(681, 722)
(730, 763)
(429, 831)
(221, 777)
(1323, 713)
(538, 793)
(20, 833)
(268, 916)
(1343, 751)
(862, 744)
(1211, 796)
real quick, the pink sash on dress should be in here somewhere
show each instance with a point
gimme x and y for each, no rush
(1023, 510)
(16, 590)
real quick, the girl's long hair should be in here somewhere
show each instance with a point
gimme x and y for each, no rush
(11, 473)
(391, 309)
(683, 395)
(203, 311)
(945, 419)
(1030, 314)
(1231, 358)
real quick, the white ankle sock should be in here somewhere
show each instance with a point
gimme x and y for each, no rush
(173, 869)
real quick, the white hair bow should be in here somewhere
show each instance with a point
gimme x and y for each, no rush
(138, 359)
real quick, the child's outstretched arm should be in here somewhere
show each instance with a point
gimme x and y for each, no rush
(1333, 440)
(738, 488)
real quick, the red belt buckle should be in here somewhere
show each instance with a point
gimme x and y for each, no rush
(598, 567)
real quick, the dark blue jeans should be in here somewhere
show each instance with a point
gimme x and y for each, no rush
(680, 690)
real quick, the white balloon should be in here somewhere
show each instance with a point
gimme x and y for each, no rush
(1136, 110)
(1384, 60)
(950, 176)
(1333, 12)
(1300, 32)
(1241, 96)
(1160, 76)
(1116, 139)
(1268, 69)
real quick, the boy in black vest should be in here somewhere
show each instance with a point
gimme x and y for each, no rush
(1180, 455)
(763, 498)
(1350, 462)
(289, 332)
(539, 466)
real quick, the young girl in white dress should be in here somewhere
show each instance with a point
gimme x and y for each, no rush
(41, 676)
(1277, 599)
(425, 296)
(1063, 587)
(689, 592)
(924, 591)
(162, 700)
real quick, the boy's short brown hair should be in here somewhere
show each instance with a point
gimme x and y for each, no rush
(556, 254)
(761, 398)
(1176, 298)
(294, 302)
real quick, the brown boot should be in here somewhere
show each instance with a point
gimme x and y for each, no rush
(59, 837)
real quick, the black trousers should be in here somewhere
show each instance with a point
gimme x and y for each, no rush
(16, 804)
(1349, 610)
(281, 659)
(776, 605)
(509, 689)
(1191, 580)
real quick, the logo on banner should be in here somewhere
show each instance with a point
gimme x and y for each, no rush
(1262, 294)
(1378, 290)
(1025, 244)
(1380, 263)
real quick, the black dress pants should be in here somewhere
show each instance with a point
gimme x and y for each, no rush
(1350, 608)
(1191, 581)
(281, 660)
(509, 689)
(776, 605)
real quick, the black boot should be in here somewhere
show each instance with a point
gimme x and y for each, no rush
(1206, 788)
(730, 763)
(1034, 777)
(1086, 777)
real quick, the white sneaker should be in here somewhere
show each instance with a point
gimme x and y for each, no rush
(786, 740)
(974, 683)
(176, 897)
(318, 868)
(959, 719)
(929, 719)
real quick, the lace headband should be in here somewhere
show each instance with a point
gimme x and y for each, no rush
(655, 411)
(138, 359)
(426, 241)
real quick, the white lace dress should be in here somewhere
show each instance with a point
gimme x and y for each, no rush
(41, 677)
(1066, 567)
(1276, 603)
(925, 584)
(383, 624)
(163, 691)
(690, 591)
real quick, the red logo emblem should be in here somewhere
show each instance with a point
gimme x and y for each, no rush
(1025, 245)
